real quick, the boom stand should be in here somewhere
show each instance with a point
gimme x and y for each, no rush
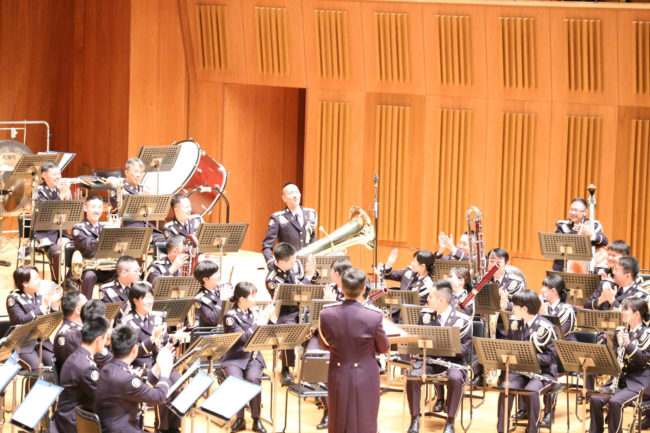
(276, 338)
(158, 158)
(220, 238)
(558, 246)
(375, 214)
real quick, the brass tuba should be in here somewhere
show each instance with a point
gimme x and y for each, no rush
(357, 231)
(78, 264)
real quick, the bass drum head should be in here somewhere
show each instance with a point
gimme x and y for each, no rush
(172, 181)
(10, 153)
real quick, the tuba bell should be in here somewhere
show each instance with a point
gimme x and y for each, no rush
(78, 264)
(357, 231)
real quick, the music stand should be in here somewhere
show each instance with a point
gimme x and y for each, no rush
(211, 346)
(411, 314)
(275, 338)
(395, 298)
(187, 398)
(559, 246)
(36, 405)
(323, 266)
(580, 287)
(315, 307)
(20, 336)
(176, 287)
(112, 309)
(585, 358)
(158, 158)
(44, 326)
(229, 398)
(117, 242)
(506, 355)
(145, 207)
(221, 238)
(488, 301)
(602, 320)
(30, 165)
(176, 309)
(296, 294)
(441, 267)
(8, 372)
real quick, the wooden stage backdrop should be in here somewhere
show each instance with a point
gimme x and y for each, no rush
(514, 107)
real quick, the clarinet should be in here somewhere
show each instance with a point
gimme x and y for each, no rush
(531, 375)
(448, 364)
(620, 352)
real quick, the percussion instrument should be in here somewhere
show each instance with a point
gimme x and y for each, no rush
(13, 198)
(196, 174)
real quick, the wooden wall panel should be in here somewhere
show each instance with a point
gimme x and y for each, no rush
(634, 57)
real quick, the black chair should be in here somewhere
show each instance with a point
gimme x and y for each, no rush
(311, 382)
(87, 422)
(479, 329)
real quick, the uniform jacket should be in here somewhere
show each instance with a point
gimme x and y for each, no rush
(284, 227)
(160, 268)
(208, 307)
(632, 291)
(236, 320)
(455, 319)
(85, 237)
(568, 227)
(410, 280)
(175, 227)
(147, 349)
(541, 333)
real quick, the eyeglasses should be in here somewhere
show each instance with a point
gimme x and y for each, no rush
(572, 209)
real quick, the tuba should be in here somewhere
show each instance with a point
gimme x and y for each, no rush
(78, 264)
(357, 231)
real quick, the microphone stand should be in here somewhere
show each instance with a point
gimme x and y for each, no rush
(375, 213)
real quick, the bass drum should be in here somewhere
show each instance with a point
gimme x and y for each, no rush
(192, 170)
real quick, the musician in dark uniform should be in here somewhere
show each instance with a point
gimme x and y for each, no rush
(445, 242)
(121, 390)
(295, 225)
(353, 333)
(508, 282)
(527, 325)
(170, 265)
(71, 304)
(128, 272)
(578, 223)
(85, 236)
(52, 188)
(183, 223)
(287, 270)
(461, 284)
(79, 375)
(208, 300)
(417, 276)
(239, 363)
(336, 286)
(625, 283)
(615, 250)
(441, 312)
(632, 345)
(25, 304)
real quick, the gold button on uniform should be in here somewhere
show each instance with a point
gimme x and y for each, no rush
(338, 364)
(356, 365)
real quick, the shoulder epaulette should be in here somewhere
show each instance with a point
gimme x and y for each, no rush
(332, 304)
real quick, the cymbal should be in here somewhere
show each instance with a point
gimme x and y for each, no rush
(15, 200)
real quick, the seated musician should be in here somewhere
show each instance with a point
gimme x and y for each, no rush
(79, 375)
(632, 345)
(287, 270)
(461, 284)
(336, 286)
(131, 185)
(610, 293)
(445, 242)
(417, 276)
(128, 272)
(528, 325)
(85, 236)
(121, 390)
(71, 304)
(25, 304)
(578, 223)
(152, 334)
(615, 250)
(209, 298)
(170, 265)
(183, 223)
(441, 312)
(243, 317)
(508, 282)
(52, 188)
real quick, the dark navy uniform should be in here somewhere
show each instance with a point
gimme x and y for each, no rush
(66, 341)
(353, 333)
(175, 227)
(541, 333)
(284, 227)
(23, 308)
(78, 378)
(456, 376)
(457, 298)
(511, 284)
(122, 391)
(288, 314)
(128, 189)
(634, 379)
(115, 292)
(208, 307)
(85, 236)
(633, 290)
(239, 363)
(45, 193)
(160, 268)
(568, 227)
(567, 315)
(410, 280)
(458, 255)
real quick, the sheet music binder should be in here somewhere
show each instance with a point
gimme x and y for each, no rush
(36, 405)
(232, 395)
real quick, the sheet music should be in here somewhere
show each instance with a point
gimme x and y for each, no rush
(192, 392)
(36, 404)
(230, 397)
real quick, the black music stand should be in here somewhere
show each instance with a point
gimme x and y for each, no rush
(36, 405)
(488, 300)
(211, 346)
(145, 207)
(585, 358)
(411, 314)
(580, 287)
(441, 267)
(395, 298)
(19, 336)
(221, 238)
(176, 287)
(30, 165)
(506, 355)
(601, 320)
(315, 307)
(276, 338)
(297, 294)
(229, 398)
(112, 309)
(559, 246)
(117, 242)
(227, 306)
(176, 309)
(158, 158)
(323, 266)
(186, 400)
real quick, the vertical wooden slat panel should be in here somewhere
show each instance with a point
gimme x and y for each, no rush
(642, 56)
(584, 50)
(583, 140)
(518, 51)
(213, 37)
(393, 46)
(640, 190)
(272, 40)
(455, 47)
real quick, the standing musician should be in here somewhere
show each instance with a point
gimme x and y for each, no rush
(170, 265)
(445, 242)
(578, 224)
(441, 312)
(52, 188)
(461, 284)
(295, 225)
(79, 375)
(183, 223)
(128, 272)
(25, 304)
(632, 345)
(417, 276)
(85, 236)
(71, 304)
(208, 300)
(353, 333)
(528, 325)
(122, 390)
(285, 269)
(610, 293)
(243, 317)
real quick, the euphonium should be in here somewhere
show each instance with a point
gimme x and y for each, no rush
(78, 264)
(357, 231)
